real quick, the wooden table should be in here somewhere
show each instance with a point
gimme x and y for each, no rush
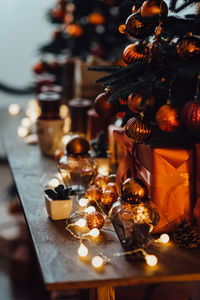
(56, 249)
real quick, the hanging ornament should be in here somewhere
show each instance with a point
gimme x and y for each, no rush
(103, 108)
(39, 68)
(74, 30)
(138, 102)
(58, 14)
(135, 52)
(108, 197)
(154, 8)
(122, 28)
(137, 130)
(134, 191)
(93, 194)
(167, 118)
(134, 9)
(96, 19)
(77, 146)
(188, 47)
(136, 27)
(95, 220)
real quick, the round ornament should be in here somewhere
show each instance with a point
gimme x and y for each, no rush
(96, 19)
(101, 181)
(104, 109)
(39, 68)
(135, 52)
(154, 8)
(167, 118)
(122, 28)
(111, 186)
(137, 130)
(138, 102)
(74, 30)
(188, 47)
(108, 198)
(134, 190)
(136, 27)
(93, 194)
(95, 220)
(58, 14)
(77, 146)
(190, 115)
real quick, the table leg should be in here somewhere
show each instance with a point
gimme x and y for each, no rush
(106, 292)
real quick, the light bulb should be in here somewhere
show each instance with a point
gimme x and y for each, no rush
(22, 131)
(151, 260)
(164, 238)
(26, 122)
(14, 109)
(54, 182)
(82, 250)
(83, 202)
(64, 111)
(97, 261)
(94, 232)
(81, 222)
(65, 139)
(103, 170)
(90, 209)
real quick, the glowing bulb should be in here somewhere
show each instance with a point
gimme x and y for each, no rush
(90, 209)
(65, 139)
(54, 182)
(103, 170)
(22, 131)
(81, 222)
(83, 202)
(14, 109)
(164, 238)
(26, 122)
(82, 250)
(151, 260)
(94, 232)
(64, 111)
(97, 261)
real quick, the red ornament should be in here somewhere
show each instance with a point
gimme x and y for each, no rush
(95, 220)
(93, 194)
(96, 19)
(108, 197)
(190, 115)
(136, 27)
(154, 8)
(103, 108)
(135, 102)
(74, 30)
(137, 130)
(167, 118)
(38, 68)
(58, 14)
(101, 181)
(135, 52)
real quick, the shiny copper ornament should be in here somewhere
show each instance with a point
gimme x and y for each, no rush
(122, 28)
(77, 146)
(135, 102)
(135, 52)
(190, 115)
(74, 30)
(108, 198)
(96, 19)
(93, 194)
(101, 181)
(188, 47)
(58, 14)
(39, 68)
(154, 8)
(133, 190)
(136, 28)
(111, 186)
(103, 108)
(167, 118)
(137, 130)
(95, 220)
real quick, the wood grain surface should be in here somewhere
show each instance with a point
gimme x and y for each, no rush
(57, 251)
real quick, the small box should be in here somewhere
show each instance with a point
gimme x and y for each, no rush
(58, 209)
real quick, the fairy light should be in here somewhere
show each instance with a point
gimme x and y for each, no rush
(64, 111)
(83, 202)
(94, 232)
(164, 238)
(103, 170)
(14, 109)
(22, 132)
(97, 261)
(82, 250)
(90, 209)
(81, 223)
(65, 139)
(151, 260)
(54, 182)
(26, 122)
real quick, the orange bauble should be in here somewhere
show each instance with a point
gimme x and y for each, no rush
(190, 115)
(167, 118)
(95, 220)
(154, 8)
(188, 47)
(137, 130)
(135, 102)
(111, 186)
(38, 68)
(103, 108)
(96, 19)
(133, 190)
(108, 198)
(93, 194)
(101, 181)
(122, 28)
(74, 30)
(135, 52)
(58, 14)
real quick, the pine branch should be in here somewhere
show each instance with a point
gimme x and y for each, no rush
(172, 5)
(106, 69)
(185, 5)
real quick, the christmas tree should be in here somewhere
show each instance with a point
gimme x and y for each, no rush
(158, 89)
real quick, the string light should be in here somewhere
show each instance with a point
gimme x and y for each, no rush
(164, 238)
(22, 132)
(14, 109)
(26, 122)
(90, 209)
(65, 139)
(83, 202)
(81, 222)
(82, 250)
(151, 260)
(54, 182)
(103, 170)
(94, 232)
(97, 261)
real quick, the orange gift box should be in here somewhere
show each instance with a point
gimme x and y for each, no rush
(168, 173)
